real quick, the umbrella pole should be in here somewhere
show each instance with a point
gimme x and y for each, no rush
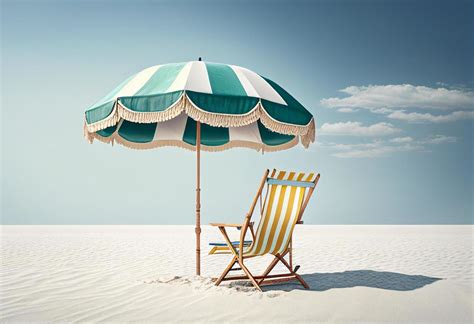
(198, 199)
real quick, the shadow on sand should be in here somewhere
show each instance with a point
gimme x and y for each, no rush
(358, 278)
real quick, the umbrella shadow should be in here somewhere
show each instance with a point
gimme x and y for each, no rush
(358, 278)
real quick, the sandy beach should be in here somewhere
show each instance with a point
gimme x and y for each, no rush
(145, 273)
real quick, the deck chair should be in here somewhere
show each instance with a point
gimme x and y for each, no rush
(286, 198)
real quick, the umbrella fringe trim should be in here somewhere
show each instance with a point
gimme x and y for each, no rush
(89, 136)
(258, 112)
(220, 119)
(282, 127)
(111, 120)
(307, 132)
(176, 143)
(310, 136)
(152, 117)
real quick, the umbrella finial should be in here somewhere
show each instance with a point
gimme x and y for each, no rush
(200, 59)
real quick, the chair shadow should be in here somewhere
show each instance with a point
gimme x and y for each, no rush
(357, 278)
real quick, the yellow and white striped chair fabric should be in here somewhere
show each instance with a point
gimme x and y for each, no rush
(285, 194)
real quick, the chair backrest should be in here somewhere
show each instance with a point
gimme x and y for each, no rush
(287, 196)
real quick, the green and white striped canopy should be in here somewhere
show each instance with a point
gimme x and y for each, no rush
(160, 105)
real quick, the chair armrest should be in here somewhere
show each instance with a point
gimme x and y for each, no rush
(225, 225)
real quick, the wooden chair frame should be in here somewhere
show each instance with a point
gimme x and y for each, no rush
(239, 257)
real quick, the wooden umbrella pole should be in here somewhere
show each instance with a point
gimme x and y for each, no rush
(198, 199)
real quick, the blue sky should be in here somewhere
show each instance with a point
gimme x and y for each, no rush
(389, 82)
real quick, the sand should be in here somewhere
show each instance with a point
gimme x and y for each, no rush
(145, 273)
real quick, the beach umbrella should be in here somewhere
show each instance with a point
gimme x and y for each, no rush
(200, 106)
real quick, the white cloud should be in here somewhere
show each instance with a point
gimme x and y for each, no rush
(371, 153)
(402, 96)
(380, 148)
(438, 139)
(362, 153)
(406, 139)
(346, 110)
(383, 110)
(357, 129)
(350, 147)
(415, 117)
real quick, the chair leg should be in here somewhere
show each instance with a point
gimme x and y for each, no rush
(234, 260)
(297, 276)
(269, 269)
(252, 279)
(226, 271)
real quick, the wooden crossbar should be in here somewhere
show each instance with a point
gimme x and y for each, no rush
(280, 275)
(277, 280)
